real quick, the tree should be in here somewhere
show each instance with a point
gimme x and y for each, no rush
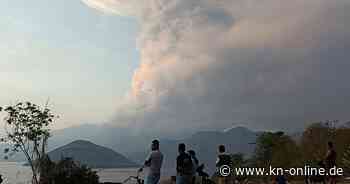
(27, 130)
(315, 138)
(276, 149)
(238, 161)
(314, 142)
(286, 153)
(346, 160)
(69, 172)
(264, 148)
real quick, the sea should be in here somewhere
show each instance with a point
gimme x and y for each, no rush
(16, 173)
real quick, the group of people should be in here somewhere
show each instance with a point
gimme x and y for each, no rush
(187, 164)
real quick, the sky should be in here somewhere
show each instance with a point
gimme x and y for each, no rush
(80, 59)
(173, 66)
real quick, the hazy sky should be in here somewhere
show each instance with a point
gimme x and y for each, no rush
(80, 58)
(265, 64)
(200, 64)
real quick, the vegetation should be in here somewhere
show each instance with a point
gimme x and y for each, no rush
(346, 160)
(280, 150)
(27, 130)
(238, 160)
(67, 171)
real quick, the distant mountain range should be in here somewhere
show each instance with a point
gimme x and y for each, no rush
(92, 155)
(136, 147)
(205, 144)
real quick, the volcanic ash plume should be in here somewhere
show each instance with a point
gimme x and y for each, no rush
(214, 63)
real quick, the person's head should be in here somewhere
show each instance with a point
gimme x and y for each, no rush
(222, 149)
(330, 145)
(155, 145)
(192, 153)
(182, 148)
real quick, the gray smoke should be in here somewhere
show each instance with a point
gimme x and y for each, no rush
(213, 64)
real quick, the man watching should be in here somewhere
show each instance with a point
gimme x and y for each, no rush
(154, 162)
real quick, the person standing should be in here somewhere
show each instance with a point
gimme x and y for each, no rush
(184, 166)
(223, 159)
(195, 164)
(195, 161)
(154, 162)
(330, 161)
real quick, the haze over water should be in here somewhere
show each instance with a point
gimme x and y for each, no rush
(16, 173)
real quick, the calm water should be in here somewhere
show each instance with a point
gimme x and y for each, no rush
(16, 173)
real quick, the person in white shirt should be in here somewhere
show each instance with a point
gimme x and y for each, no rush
(154, 163)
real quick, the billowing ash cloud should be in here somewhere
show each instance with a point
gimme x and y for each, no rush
(216, 63)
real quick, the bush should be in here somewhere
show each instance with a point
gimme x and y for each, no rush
(68, 172)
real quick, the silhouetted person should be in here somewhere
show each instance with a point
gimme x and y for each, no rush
(194, 160)
(223, 159)
(195, 164)
(197, 168)
(281, 179)
(318, 178)
(154, 162)
(184, 166)
(330, 161)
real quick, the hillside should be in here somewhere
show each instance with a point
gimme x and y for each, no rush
(237, 140)
(92, 155)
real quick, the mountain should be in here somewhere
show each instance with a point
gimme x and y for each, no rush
(136, 146)
(346, 125)
(123, 140)
(93, 155)
(205, 144)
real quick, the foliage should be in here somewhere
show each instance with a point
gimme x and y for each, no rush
(346, 160)
(26, 126)
(69, 172)
(286, 153)
(238, 161)
(277, 150)
(314, 142)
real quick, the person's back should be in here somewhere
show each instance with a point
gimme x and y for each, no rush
(184, 166)
(156, 161)
(223, 159)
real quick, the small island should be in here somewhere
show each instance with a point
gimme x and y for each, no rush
(92, 155)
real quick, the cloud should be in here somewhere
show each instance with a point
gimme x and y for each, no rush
(119, 7)
(212, 64)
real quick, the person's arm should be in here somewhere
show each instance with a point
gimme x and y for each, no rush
(178, 165)
(147, 162)
(217, 163)
(328, 154)
(196, 161)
